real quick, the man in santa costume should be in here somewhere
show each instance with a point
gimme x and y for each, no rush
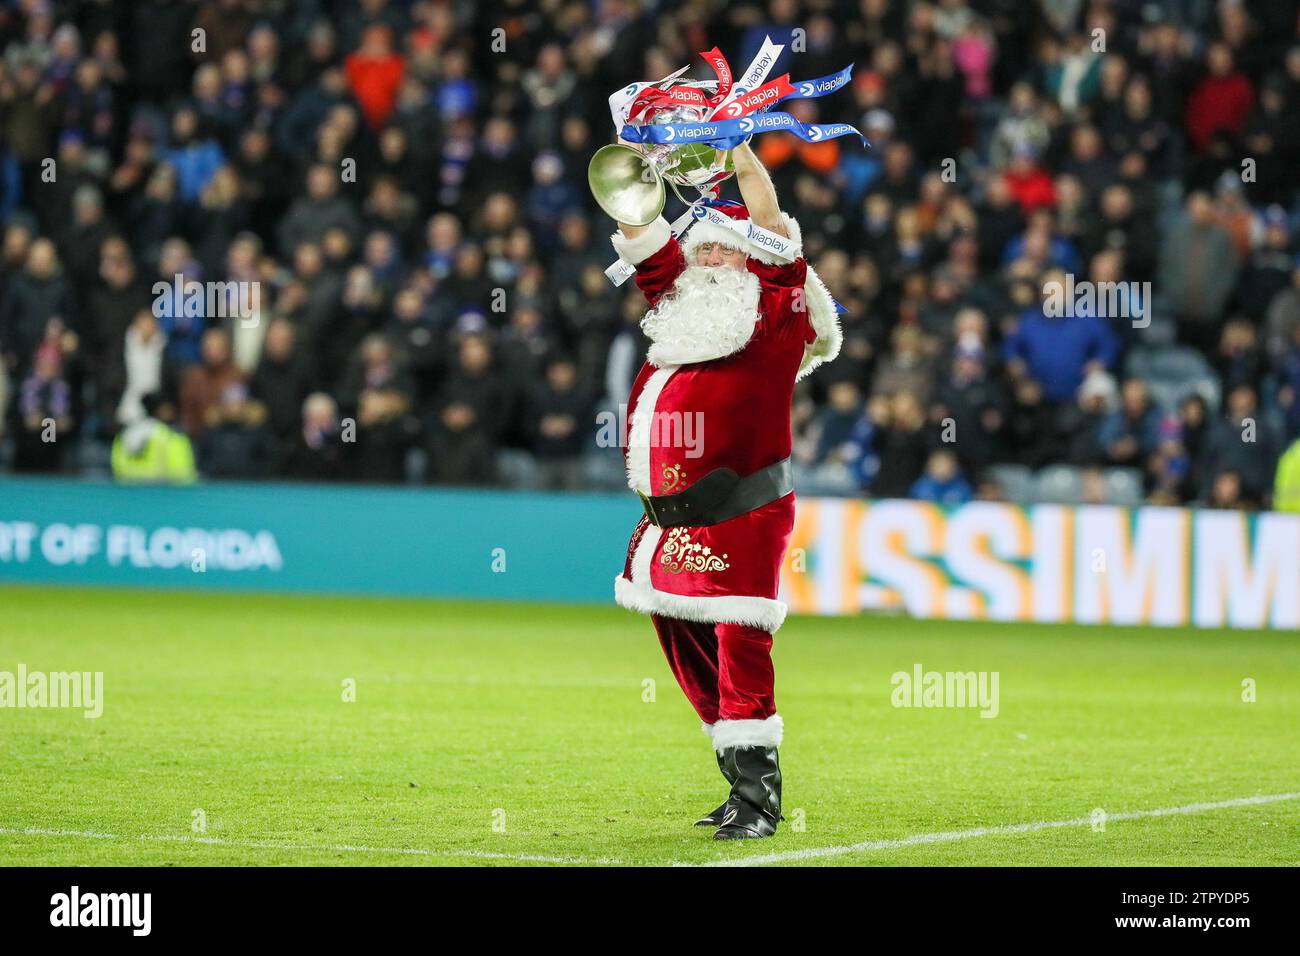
(732, 328)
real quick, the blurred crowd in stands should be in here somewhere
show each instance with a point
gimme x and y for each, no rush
(402, 185)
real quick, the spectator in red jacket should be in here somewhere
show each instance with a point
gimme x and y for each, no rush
(1029, 183)
(1222, 100)
(375, 73)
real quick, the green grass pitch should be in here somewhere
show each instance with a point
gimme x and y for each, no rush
(521, 734)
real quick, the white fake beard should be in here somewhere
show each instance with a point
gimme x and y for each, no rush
(709, 314)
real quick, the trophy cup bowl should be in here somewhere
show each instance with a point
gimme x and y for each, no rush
(626, 184)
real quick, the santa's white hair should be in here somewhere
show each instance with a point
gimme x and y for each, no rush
(709, 314)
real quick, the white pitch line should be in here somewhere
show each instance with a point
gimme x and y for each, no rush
(923, 838)
(758, 860)
(328, 848)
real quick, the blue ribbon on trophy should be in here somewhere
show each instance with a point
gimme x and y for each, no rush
(728, 133)
(725, 134)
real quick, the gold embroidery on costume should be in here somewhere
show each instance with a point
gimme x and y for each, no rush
(673, 476)
(681, 554)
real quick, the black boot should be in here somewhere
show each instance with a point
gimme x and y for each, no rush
(714, 818)
(754, 807)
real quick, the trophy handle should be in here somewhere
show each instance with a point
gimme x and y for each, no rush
(626, 184)
(690, 203)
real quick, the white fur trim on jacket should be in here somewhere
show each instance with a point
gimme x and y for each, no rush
(703, 231)
(825, 322)
(636, 250)
(641, 429)
(757, 612)
(748, 733)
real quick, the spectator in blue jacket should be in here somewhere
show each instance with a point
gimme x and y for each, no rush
(1042, 245)
(1131, 433)
(942, 481)
(550, 197)
(196, 158)
(181, 326)
(1058, 351)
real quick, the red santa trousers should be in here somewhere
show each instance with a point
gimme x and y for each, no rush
(725, 670)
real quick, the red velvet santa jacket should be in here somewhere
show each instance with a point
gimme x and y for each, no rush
(690, 412)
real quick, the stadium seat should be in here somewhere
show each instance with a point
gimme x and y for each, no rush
(1124, 486)
(827, 480)
(517, 468)
(1016, 481)
(1161, 332)
(603, 468)
(1174, 373)
(1058, 484)
(416, 465)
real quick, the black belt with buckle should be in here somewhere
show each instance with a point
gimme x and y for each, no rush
(719, 496)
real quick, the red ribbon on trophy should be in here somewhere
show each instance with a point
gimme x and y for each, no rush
(761, 98)
(722, 68)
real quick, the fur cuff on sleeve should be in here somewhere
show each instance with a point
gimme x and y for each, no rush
(796, 236)
(638, 249)
(825, 322)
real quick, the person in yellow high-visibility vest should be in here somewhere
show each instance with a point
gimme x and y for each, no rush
(1286, 485)
(149, 450)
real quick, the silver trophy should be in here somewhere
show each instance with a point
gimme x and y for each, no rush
(629, 181)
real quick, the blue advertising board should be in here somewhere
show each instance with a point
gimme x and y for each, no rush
(315, 538)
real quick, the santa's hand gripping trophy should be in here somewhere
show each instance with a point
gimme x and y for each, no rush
(736, 317)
